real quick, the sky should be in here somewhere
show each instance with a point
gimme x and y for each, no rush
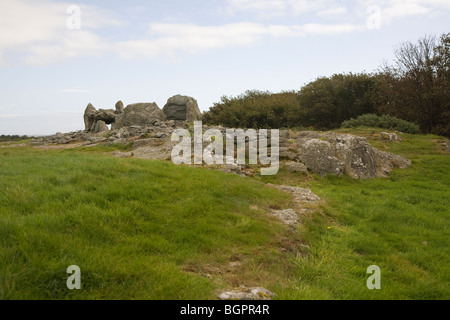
(58, 56)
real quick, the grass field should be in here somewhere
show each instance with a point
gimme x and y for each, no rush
(142, 229)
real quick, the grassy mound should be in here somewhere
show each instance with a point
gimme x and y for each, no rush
(142, 229)
(137, 229)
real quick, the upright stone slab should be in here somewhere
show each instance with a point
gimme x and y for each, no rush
(182, 108)
(89, 117)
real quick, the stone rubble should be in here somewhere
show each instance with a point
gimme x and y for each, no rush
(149, 130)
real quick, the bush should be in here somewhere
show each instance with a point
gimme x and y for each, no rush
(384, 121)
(327, 102)
(255, 109)
(6, 138)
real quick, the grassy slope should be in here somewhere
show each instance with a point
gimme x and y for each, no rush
(137, 229)
(400, 223)
(152, 230)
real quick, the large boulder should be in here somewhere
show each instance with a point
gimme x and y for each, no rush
(182, 108)
(329, 153)
(93, 116)
(100, 126)
(106, 115)
(139, 114)
(119, 107)
(89, 116)
(319, 157)
(358, 156)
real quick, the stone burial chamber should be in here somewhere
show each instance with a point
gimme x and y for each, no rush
(182, 108)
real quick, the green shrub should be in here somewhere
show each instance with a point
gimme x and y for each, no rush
(255, 109)
(384, 121)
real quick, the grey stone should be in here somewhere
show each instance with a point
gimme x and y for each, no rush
(244, 293)
(100, 126)
(386, 162)
(390, 136)
(139, 114)
(330, 153)
(119, 107)
(288, 216)
(182, 108)
(120, 154)
(89, 116)
(106, 115)
(296, 167)
(319, 156)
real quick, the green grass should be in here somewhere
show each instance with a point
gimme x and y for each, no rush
(142, 229)
(400, 223)
(137, 229)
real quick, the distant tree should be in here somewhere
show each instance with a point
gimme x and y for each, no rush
(5, 138)
(327, 102)
(254, 109)
(416, 87)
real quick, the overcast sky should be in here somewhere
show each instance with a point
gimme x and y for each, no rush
(57, 56)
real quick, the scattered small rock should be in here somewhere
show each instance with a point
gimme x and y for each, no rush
(390, 136)
(288, 216)
(244, 293)
(120, 154)
(296, 167)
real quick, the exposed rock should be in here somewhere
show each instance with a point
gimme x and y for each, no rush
(119, 107)
(106, 115)
(153, 153)
(244, 293)
(296, 167)
(300, 194)
(89, 116)
(288, 216)
(231, 168)
(358, 156)
(100, 126)
(319, 156)
(444, 145)
(182, 108)
(390, 136)
(386, 162)
(93, 116)
(139, 114)
(120, 154)
(329, 153)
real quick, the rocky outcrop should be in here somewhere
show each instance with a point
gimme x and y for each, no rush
(182, 108)
(92, 117)
(119, 107)
(139, 114)
(100, 126)
(89, 117)
(151, 128)
(335, 154)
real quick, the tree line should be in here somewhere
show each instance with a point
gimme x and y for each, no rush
(414, 88)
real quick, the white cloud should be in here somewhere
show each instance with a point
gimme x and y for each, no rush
(71, 44)
(391, 9)
(333, 12)
(39, 28)
(274, 8)
(170, 39)
(74, 90)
